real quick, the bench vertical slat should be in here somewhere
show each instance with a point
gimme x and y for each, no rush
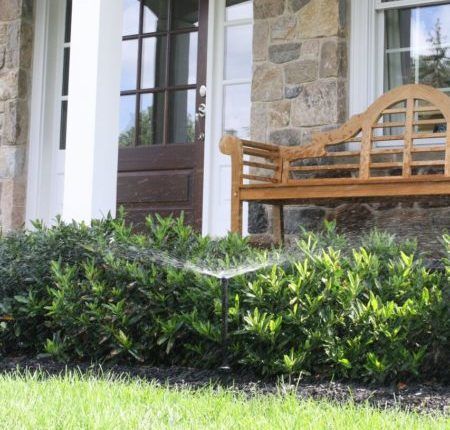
(408, 138)
(366, 143)
(447, 151)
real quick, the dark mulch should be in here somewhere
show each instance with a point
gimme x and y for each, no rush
(424, 398)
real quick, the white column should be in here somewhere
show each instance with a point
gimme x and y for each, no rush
(93, 110)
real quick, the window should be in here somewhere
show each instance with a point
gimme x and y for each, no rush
(417, 43)
(159, 72)
(402, 41)
(237, 73)
(65, 77)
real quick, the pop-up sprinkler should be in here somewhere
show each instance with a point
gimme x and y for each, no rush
(224, 284)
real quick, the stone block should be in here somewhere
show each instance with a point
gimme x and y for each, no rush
(317, 104)
(12, 161)
(300, 72)
(10, 9)
(258, 121)
(258, 221)
(333, 59)
(279, 114)
(268, 8)
(260, 40)
(284, 27)
(291, 91)
(286, 137)
(318, 18)
(310, 48)
(354, 218)
(296, 5)
(267, 84)
(310, 218)
(283, 53)
(16, 122)
(9, 88)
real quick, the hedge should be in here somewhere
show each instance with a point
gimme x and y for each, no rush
(371, 312)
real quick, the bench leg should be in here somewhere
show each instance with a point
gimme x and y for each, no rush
(278, 224)
(236, 215)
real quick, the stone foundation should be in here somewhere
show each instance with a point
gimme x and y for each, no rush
(16, 37)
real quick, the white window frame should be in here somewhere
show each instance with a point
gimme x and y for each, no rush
(45, 108)
(367, 48)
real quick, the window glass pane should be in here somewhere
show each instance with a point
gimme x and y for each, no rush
(418, 46)
(130, 17)
(129, 64)
(182, 116)
(153, 62)
(238, 52)
(151, 119)
(155, 15)
(65, 89)
(184, 13)
(127, 124)
(184, 59)
(239, 9)
(68, 24)
(237, 110)
(63, 125)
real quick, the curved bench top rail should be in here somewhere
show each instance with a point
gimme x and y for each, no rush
(417, 119)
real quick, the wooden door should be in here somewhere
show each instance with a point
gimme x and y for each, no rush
(162, 103)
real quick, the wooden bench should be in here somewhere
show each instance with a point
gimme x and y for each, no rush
(398, 147)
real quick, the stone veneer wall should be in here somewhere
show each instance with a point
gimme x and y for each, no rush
(16, 37)
(300, 82)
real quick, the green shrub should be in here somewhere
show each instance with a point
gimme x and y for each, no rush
(94, 293)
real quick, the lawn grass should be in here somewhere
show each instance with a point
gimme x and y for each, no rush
(88, 402)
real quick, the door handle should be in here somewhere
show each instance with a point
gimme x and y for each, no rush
(201, 111)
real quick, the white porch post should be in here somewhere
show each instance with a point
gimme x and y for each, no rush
(93, 110)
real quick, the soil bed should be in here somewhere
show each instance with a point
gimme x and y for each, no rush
(424, 398)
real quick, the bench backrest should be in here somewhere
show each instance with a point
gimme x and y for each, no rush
(403, 133)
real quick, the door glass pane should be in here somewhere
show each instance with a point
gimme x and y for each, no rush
(184, 13)
(129, 64)
(237, 110)
(63, 125)
(155, 15)
(153, 62)
(130, 17)
(65, 89)
(182, 116)
(68, 23)
(151, 119)
(238, 52)
(239, 9)
(417, 46)
(183, 61)
(127, 125)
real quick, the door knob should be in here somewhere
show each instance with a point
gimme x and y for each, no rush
(202, 91)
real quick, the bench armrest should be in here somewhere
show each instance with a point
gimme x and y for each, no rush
(263, 158)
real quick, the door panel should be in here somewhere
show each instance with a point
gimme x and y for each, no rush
(161, 139)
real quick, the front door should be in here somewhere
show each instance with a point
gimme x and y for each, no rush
(163, 98)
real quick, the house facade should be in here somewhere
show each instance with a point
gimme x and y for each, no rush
(108, 103)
